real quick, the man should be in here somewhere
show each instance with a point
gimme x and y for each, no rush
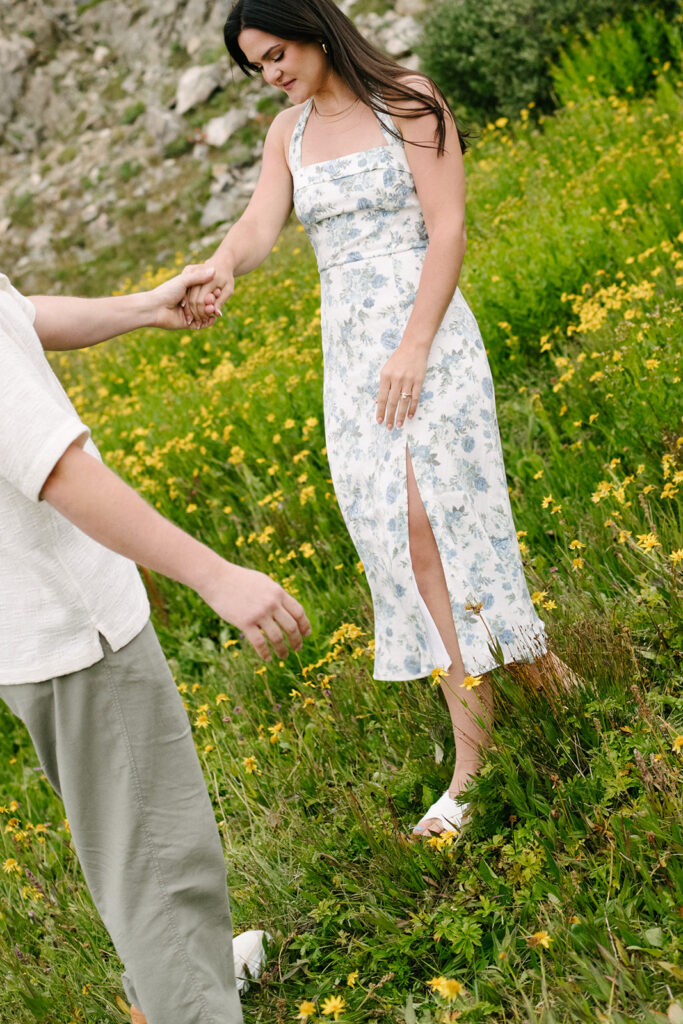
(81, 665)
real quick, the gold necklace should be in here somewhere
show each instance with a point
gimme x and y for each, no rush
(338, 114)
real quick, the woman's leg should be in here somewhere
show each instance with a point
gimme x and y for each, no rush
(470, 710)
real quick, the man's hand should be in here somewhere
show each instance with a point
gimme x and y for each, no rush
(64, 322)
(259, 607)
(170, 299)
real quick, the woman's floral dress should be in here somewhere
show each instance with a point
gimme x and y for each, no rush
(362, 215)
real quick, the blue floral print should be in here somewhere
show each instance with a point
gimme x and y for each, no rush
(363, 217)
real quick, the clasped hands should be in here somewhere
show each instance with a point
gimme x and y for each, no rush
(175, 301)
(200, 292)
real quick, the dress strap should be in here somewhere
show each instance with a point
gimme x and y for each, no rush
(386, 123)
(296, 140)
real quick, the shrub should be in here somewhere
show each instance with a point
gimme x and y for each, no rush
(132, 112)
(178, 147)
(494, 58)
(623, 59)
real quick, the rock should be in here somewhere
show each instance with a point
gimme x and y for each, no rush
(411, 62)
(4, 225)
(219, 129)
(411, 7)
(193, 45)
(15, 53)
(196, 85)
(218, 210)
(101, 55)
(401, 36)
(90, 213)
(40, 239)
(163, 126)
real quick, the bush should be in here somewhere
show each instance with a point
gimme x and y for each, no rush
(492, 59)
(132, 112)
(623, 59)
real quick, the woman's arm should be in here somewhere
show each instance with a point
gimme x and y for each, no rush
(252, 237)
(440, 185)
(63, 322)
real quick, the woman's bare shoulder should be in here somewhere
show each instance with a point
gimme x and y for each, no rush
(284, 123)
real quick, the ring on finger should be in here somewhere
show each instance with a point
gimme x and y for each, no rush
(405, 394)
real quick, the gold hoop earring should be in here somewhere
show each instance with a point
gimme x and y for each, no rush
(324, 47)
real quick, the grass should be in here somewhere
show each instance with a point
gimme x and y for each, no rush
(562, 901)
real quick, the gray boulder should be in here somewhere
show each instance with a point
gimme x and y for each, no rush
(219, 129)
(196, 85)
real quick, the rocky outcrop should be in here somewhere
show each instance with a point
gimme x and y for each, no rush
(119, 118)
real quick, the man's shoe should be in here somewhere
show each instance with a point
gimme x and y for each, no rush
(248, 950)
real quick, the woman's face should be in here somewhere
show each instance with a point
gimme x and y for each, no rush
(300, 69)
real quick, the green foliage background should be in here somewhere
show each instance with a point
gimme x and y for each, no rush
(493, 59)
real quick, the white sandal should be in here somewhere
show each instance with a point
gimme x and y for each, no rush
(447, 811)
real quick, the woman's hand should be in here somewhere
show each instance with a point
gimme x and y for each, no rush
(204, 302)
(400, 384)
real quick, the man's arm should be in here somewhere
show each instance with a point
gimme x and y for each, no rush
(65, 323)
(100, 504)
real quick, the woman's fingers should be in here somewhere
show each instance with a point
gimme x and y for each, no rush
(403, 401)
(382, 396)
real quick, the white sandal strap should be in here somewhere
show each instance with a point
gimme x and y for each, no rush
(447, 811)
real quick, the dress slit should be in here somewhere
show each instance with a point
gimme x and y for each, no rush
(435, 642)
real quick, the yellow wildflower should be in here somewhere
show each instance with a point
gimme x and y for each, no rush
(249, 764)
(648, 541)
(333, 1006)
(448, 988)
(541, 938)
(437, 674)
(538, 596)
(306, 1010)
(677, 745)
(676, 556)
(351, 978)
(469, 682)
(11, 866)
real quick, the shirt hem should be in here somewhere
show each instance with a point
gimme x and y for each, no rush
(88, 653)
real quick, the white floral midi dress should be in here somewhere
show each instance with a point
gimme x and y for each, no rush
(362, 215)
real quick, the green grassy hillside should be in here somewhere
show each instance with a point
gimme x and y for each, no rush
(562, 901)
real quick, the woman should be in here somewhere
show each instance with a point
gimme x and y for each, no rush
(371, 158)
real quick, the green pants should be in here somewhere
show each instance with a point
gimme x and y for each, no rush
(115, 742)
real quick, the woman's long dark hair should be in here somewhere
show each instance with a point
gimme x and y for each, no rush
(373, 76)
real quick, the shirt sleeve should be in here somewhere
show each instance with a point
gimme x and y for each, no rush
(35, 430)
(26, 306)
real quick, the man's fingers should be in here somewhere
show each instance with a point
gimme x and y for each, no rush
(273, 633)
(290, 627)
(297, 612)
(258, 642)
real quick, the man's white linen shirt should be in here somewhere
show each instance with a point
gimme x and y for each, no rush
(59, 589)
